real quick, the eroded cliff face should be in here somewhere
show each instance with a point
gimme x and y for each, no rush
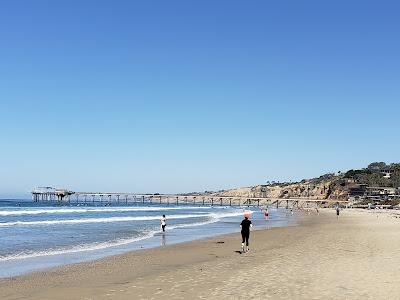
(314, 189)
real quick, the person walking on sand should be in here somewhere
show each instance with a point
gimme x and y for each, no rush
(163, 222)
(337, 212)
(245, 231)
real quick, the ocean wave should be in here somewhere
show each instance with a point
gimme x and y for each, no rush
(105, 245)
(89, 210)
(114, 219)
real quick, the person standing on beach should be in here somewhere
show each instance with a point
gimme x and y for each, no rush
(245, 231)
(163, 222)
(337, 212)
(266, 214)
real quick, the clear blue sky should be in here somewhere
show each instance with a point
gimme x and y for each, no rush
(178, 96)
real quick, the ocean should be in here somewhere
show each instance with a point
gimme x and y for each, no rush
(35, 236)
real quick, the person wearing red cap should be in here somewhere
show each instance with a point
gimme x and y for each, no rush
(245, 231)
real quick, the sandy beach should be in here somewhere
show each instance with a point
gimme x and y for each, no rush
(355, 257)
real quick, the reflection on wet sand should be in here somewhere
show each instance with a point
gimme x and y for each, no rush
(163, 239)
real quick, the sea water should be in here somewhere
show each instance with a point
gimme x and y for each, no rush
(35, 236)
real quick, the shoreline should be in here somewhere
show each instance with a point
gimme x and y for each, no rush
(320, 258)
(175, 234)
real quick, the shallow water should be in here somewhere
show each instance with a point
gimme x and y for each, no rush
(34, 236)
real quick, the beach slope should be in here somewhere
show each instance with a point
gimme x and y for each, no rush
(354, 257)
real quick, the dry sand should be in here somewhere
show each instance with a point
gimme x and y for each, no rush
(355, 257)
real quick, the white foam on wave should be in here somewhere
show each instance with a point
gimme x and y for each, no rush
(36, 211)
(112, 219)
(96, 220)
(116, 243)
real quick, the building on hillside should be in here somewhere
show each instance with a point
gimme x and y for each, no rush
(383, 193)
(361, 192)
(357, 192)
(387, 174)
(350, 181)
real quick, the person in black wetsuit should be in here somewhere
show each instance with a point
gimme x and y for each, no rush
(245, 230)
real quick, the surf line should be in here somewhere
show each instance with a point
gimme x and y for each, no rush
(114, 219)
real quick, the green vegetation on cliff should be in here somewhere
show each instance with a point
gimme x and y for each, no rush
(377, 174)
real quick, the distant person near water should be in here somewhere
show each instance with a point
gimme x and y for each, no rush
(245, 231)
(163, 222)
(266, 214)
(337, 212)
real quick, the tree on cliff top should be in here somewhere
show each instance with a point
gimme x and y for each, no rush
(377, 166)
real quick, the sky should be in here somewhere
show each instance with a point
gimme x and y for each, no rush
(181, 96)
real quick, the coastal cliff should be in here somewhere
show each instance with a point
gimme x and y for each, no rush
(325, 187)
(378, 179)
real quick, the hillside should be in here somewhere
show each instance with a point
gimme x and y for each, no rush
(324, 187)
(328, 186)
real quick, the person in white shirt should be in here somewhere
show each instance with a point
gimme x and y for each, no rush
(163, 224)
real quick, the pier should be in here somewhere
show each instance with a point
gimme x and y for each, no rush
(112, 198)
(48, 193)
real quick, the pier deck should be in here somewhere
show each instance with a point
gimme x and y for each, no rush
(63, 195)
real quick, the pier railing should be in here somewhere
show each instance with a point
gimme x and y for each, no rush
(176, 199)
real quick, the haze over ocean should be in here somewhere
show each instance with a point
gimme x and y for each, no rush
(177, 97)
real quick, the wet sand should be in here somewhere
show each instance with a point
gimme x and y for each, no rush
(355, 257)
